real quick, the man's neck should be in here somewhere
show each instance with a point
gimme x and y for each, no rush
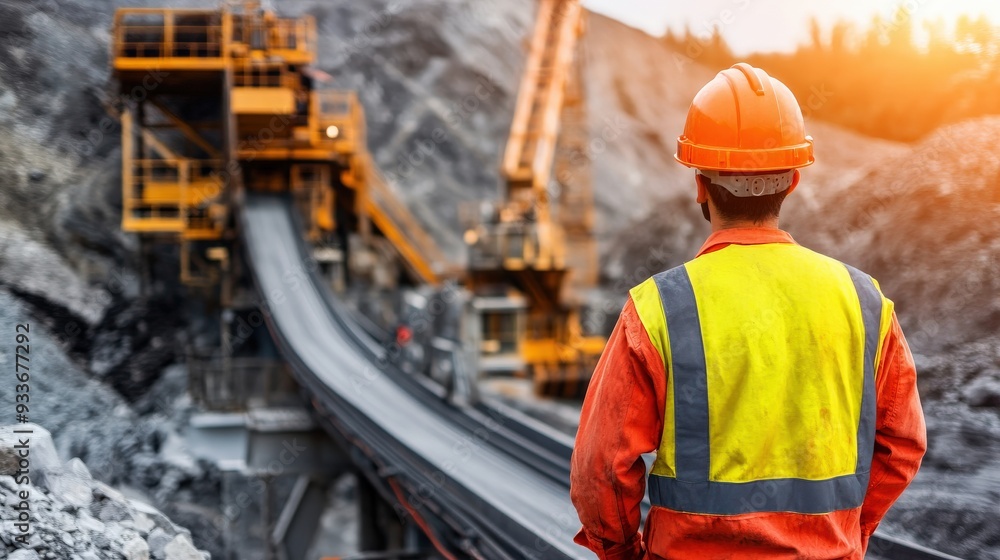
(719, 225)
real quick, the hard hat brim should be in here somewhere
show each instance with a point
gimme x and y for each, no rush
(750, 160)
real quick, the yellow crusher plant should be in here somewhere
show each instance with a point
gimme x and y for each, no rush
(221, 100)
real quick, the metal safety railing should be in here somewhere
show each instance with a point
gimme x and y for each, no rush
(166, 33)
(170, 195)
(230, 384)
(235, 30)
(261, 74)
(181, 170)
(265, 32)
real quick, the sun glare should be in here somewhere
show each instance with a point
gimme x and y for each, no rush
(990, 8)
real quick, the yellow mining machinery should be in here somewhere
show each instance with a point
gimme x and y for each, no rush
(533, 255)
(220, 100)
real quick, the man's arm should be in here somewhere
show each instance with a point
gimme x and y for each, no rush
(900, 434)
(622, 418)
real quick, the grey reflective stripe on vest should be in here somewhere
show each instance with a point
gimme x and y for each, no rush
(691, 490)
(777, 494)
(687, 357)
(871, 313)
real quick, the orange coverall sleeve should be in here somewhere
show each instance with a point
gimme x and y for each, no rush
(900, 434)
(622, 418)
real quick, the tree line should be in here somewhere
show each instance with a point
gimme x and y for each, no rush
(884, 79)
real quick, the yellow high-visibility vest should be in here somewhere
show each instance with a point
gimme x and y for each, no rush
(770, 352)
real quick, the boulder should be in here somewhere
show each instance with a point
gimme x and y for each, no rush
(41, 451)
(134, 547)
(181, 548)
(158, 540)
(983, 392)
(73, 489)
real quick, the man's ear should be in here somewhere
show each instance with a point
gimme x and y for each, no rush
(702, 182)
(795, 182)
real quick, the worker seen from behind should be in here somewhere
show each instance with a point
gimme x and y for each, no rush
(773, 383)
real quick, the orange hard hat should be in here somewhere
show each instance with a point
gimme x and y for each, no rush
(744, 120)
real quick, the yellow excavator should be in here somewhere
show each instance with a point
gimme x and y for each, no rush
(532, 256)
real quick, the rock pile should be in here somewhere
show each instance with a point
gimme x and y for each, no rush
(71, 516)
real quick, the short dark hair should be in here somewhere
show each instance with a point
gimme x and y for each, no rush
(750, 208)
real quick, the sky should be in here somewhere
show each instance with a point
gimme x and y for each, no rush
(774, 25)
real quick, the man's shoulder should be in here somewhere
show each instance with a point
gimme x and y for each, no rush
(652, 283)
(856, 273)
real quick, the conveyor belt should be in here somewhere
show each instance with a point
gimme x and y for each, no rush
(514, 510)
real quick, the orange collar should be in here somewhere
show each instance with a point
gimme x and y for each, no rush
(744, 236)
